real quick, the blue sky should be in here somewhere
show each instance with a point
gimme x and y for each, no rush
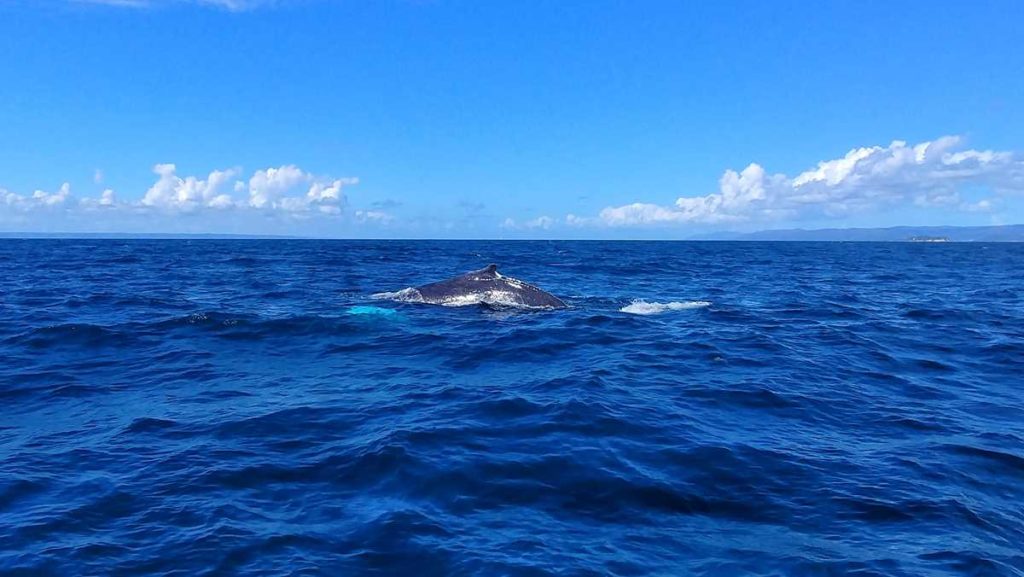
(435, 118)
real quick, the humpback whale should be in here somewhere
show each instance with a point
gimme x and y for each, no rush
(485, 286)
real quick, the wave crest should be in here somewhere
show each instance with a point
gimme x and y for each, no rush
(642, 307)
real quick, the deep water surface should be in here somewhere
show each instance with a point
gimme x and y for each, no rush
(245, 407)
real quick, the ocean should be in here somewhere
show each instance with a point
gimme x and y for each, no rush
(248, 407)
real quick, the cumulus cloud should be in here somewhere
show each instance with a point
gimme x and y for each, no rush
(639, 213)
(38, 199)
(52, 199)
(190, 193)
(269, 188)
(539, 223)
(927, 174)
(106, 199)
(579, 221)
(286, 190)
(542, 222)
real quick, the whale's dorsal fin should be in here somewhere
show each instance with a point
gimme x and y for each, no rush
(490, 271)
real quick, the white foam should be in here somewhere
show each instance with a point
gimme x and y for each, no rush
(406, 295)
(642, 307)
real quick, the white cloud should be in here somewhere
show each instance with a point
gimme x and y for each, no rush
(107, 199)
(935, 175)
(927, 174)
(267, 186)
(541, 223)
(327, 192)
(190, 193)
(268, 190)
(579, 221)
(97, 176)
(38, 199)
(52, 199)
(286, 191)
(640, 213)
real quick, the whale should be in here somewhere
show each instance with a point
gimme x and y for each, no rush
(485, 286)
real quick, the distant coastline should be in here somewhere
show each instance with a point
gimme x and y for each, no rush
(999, 233)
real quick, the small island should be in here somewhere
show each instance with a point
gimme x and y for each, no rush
(929, 239)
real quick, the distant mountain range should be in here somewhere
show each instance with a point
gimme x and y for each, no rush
(1004, 233)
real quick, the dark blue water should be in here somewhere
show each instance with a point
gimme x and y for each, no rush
(219, 408)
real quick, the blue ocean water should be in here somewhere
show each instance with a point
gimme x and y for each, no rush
(246, 407)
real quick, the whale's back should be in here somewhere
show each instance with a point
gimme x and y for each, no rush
(487, 286)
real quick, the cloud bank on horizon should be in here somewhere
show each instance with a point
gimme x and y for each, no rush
(287, 193)
(928, 174)
(932, 174)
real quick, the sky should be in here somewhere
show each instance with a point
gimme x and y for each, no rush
(524, 119)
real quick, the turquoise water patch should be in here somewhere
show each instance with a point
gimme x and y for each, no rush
(372, 311)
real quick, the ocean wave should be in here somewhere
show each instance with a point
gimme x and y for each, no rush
(83, 334)
(198, 415)
(642, 307)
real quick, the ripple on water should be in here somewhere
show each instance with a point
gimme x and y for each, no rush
(207, 407)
